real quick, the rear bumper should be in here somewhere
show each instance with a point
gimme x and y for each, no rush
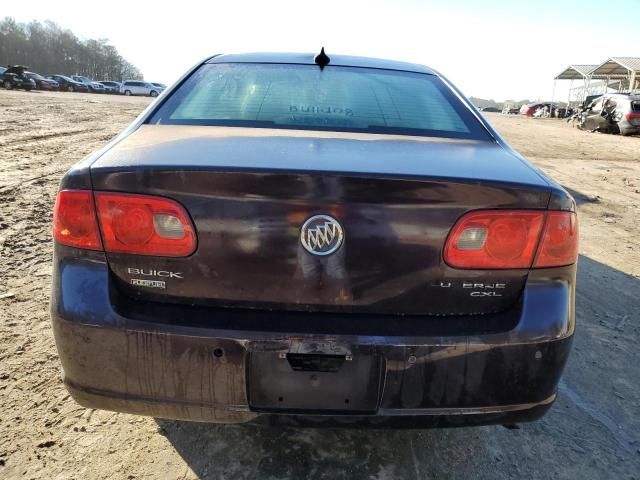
(387, 418)
(630, 130)
(176, 369)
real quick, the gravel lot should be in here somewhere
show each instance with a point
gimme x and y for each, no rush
(592, 432)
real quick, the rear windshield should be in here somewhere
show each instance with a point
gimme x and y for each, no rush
(305, 97)
(635, 106)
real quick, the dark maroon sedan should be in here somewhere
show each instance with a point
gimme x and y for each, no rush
(43, 83)
(290, 238)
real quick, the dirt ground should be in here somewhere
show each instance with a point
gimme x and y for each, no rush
(592, 432)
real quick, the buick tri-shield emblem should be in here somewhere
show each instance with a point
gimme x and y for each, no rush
(321, 235)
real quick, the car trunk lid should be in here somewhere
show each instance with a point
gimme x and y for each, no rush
(249, 191)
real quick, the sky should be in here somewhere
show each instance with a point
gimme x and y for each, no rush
(500, 49)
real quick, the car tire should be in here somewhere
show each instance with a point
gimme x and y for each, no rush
(153, 93)
(7, 85)
(28, 89)
(70, 88)
(127, 93)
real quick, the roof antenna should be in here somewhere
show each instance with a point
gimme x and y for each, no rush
(322, 59)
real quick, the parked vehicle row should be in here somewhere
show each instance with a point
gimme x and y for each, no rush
(19, 77)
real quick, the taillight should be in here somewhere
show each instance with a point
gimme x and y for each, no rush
(630, 116)
(494, 239)
(74, 220)
(144, 225)
(559, 243)
(129, 223)
(510, 239)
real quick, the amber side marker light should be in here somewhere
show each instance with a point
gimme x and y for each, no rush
(123, 223)
(74, 220)
(513, 239)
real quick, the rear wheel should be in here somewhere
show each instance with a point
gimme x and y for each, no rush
(153, 93)
(70, 88)
(127, 93)
(7, 85)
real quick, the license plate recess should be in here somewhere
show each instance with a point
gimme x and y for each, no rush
(314, 382)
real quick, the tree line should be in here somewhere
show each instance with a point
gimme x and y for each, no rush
(49, 49)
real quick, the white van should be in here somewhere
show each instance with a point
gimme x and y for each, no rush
(138, 87)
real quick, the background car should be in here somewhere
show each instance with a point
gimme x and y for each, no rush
(138, 87)
(537, 109)
(94, 87)
(111, 87)
(14, 77)
(613, 113)
(69, 84)
(43, 83)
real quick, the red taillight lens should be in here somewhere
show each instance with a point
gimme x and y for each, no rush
(74, 220)
(559, 244)
(632, 115)
(144, 225)
(494, 239)
(505, 239)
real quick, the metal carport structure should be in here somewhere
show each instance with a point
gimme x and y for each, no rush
(576, 72)
(620, 68)
(623, 71)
